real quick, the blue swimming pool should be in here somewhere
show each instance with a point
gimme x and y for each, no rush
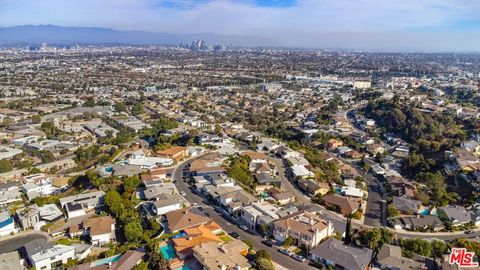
(109, 169)
(168, 252)
(180, 235)
(185, 267)
(112, 259)
(425, 212)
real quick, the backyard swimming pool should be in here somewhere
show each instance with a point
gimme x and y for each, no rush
(425, 212)
(112, 259)
(168, 252)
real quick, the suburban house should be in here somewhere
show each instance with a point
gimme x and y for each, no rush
(390, 258)
(343, 205)
(7, 224)
(165, 203)
(335, 253)
(306, 229)
(29, 217)
(203, 233)
(185, 218)
(9, 193)
(333, 144)
(232, 201)
(281, 197)
(407, 205)
(45, 256)
(427, 222)
(176, 153)
(258, 214)
(78, 205)
(299, 172)
(313, 187)
(154, 177)
(100, 229)
(457, 215)
(214, 256)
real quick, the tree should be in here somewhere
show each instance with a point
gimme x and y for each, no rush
(438, 248)
(348, 231)
(264, 260)
(114, 202)
(120, 106)
(376, 238)
(137, 109)
(5, 166)
(288, 242)
(130, 183)
(133, 231)
(249, 243)
(141, 266)
(392, 211)
(36, 119)
(264, 264)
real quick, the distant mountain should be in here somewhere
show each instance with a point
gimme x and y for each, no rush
(36, 34)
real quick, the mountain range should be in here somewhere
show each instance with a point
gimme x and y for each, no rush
(53, 34)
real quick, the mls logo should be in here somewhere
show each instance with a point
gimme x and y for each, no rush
(462, 258)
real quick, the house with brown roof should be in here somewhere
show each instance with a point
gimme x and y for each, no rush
(176, 153)
(343, 205)
(100, 229)
(203, 233)
(306, 229)
(214, 256)
(209, 164)
(185, 218)
(154, 177)
(281, 197)
(313, 187)
(333, 144)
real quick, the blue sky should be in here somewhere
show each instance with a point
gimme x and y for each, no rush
(452, 25)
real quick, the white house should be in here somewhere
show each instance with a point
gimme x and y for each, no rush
(8, 152)
(50, 258)
(167, 202)
(299, 171)
(149, 162)
(7, 224)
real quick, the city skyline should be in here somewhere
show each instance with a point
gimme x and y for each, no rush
(447, 25)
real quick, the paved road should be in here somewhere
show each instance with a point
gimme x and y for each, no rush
(229, 226)
(375, 213)
(287, 185)
(17, 242)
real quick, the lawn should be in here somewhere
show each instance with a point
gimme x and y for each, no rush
(225, 238)
(67, 241)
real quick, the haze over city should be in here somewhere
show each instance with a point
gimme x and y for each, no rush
(377, 25)
(239, 135)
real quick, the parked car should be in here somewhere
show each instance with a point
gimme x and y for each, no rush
(268, 243)
(298, 257)
(235, 235)
(243, 227)
(470, 232)
(183, 193)
(285, 251)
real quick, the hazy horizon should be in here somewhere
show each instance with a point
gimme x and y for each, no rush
(373, 25)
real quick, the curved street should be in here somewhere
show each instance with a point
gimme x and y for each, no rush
(228, 226)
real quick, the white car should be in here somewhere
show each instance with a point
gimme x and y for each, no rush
(195, 204)
(183, 193)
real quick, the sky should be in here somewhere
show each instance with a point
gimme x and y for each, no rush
(385, 25)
